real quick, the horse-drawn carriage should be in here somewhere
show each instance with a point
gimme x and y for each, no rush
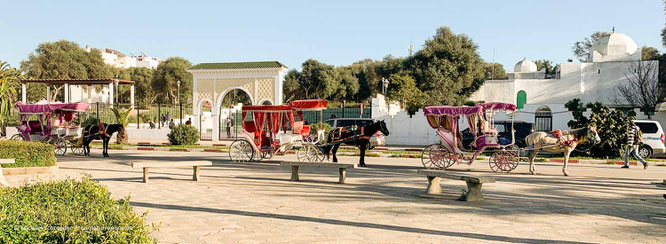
(480, 119)
(274, 129)
(53, 123)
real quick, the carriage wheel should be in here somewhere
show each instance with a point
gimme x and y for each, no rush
(241, 151)
(76, 150)
(427, 156)
(60, 146)
(312, 154)
(300, 153)
(17, 137)
(503, 161)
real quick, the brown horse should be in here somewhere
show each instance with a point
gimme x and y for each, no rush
(538, 141)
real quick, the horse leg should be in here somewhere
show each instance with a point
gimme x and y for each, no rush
(105, 147)
(335, 151)
(566, 161)
(363, 145)
(532, 155)
(86, 147)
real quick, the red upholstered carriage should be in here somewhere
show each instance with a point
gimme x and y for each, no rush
(271, 129)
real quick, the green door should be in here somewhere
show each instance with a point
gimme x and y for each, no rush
(521, 99)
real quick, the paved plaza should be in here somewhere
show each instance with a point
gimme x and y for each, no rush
(256, 202)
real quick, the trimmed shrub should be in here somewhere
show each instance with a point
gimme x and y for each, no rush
(183, 134)
(69, 211)
(27, 153)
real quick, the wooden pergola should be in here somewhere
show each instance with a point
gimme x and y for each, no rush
(110, 82)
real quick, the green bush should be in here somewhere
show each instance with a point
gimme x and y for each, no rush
(314, 127)
(183, 135)
(611, 126)
(68, 211)
(27, 153)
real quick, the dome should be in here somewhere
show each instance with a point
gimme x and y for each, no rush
(525, 65)
(615, 44)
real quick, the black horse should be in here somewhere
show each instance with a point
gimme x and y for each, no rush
(359, 137)
(99, 132)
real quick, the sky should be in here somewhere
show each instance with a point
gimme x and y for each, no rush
(335, 32)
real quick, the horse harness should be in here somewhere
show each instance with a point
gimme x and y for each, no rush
(563, 139)
(101, 130)
(338, 138)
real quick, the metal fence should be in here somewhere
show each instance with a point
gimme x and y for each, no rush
(159, 114)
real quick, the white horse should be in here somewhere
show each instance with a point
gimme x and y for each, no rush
(565, 144)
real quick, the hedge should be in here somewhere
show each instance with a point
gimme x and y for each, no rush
(69, 211)
(27, 153)
(183, 134)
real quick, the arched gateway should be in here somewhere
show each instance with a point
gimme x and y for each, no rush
(262, 81)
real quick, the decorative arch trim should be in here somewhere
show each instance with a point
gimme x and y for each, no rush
(225, 91)
(265, 100)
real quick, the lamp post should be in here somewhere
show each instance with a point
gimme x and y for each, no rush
(115, 83)
(178, 99)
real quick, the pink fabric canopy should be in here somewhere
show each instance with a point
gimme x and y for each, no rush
(452, 110)
(497, 106)
(310, 104)
(42, 108)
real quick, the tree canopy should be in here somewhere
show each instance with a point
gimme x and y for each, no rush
(581, 49)
(166, 77)
(495, 71)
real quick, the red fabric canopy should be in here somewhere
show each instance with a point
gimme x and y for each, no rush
(310, 104)
(267, 108)
(42, 108)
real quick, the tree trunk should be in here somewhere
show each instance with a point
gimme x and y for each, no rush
(122, 137)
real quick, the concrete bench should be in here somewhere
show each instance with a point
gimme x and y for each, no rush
(341, 167)
(178, 164)
(473, 182)
(2, 177)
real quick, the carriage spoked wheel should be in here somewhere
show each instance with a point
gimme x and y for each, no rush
(241, 151)
(60, 146)
(430, 156)
(76, 150)
(503, 161)
(310, 153)
(17, 137)
(266, 155)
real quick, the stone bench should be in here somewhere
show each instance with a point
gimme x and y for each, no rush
(178, 164)
(2, 177)
(473, 182)
(341, 167)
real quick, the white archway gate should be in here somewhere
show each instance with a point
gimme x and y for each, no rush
(262, 81)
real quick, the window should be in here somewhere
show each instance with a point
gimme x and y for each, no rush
(543, 119)
(598, 71)
(647, 127)
(500, 127)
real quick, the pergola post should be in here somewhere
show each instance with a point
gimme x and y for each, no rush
(48, 93)
(23, 93)
(132, 96)
(110, 100)
(66, 87)
(89, 94)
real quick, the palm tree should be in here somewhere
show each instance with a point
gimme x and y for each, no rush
(8, 78)
(122, 117)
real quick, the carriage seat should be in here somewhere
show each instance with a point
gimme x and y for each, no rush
(301, 128)
(35, 126)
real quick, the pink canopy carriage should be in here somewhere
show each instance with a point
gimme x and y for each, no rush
(54, 123)
(481, 123)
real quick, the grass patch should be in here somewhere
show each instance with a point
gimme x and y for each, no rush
(69, 211)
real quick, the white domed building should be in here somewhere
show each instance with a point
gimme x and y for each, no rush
(541, 99)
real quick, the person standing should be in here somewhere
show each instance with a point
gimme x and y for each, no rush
(229, 125)
(634, 139)
(189, 121)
